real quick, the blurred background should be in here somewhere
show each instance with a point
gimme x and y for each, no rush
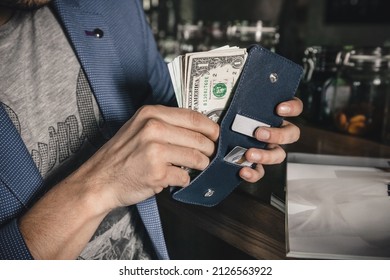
(343, 46)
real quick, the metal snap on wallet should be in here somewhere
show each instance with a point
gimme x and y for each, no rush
(267, 79)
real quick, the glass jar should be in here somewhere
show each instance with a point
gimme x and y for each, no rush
(216, 33)
(317, 89)
(360, 107)
(191, 38)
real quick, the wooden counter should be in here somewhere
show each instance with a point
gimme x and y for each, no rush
(317, 141)
(253, 229)
(245, 225)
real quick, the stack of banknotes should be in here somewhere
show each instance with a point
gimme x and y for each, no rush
(204, 81)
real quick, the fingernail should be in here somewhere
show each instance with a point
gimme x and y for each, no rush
(284, 109)
(245, 174)
(263, 134)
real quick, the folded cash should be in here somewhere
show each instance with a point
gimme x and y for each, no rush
(204, 81)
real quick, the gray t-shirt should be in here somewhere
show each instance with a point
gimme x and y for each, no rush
(59, 120)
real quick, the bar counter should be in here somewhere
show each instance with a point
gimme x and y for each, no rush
(245, 225)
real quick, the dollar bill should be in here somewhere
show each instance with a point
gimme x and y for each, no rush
(204, 81)
(174, 68)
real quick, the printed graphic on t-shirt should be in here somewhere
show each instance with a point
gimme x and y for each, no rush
(121, 234)
(67, 136)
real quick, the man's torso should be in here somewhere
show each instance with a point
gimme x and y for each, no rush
(47, 96)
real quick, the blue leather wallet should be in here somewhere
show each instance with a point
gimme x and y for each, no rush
(266, 80)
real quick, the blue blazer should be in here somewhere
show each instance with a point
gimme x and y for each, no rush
(116, 49)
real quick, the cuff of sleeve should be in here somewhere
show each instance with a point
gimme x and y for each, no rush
(12, 245)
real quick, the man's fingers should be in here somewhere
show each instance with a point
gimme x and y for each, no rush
(252, 175)
(158, 131)
(183, 156)
(177, 177)
(291, 108)
(274, 154)
(286, 134)
(181, 117)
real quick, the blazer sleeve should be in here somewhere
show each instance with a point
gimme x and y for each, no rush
(12, 245)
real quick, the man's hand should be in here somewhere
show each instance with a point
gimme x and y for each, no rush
(144, 157)
(147, 153)
(288, 133)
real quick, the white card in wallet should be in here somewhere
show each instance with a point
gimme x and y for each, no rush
(246, 126)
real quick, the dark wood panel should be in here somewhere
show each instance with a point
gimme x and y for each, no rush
(255, 228)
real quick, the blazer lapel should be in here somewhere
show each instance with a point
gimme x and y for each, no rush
(93, 44)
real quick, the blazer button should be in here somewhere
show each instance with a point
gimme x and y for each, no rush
(98, 33)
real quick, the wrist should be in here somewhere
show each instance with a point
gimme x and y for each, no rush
(74, 207)
(91, 193)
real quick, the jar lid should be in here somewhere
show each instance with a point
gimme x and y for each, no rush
(323, 58)
(244, 30)
(374, 59)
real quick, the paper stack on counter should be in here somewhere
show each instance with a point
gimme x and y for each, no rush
(337, 212)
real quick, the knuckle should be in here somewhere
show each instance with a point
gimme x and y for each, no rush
(276, 154)
(152, 128)
(159, 176)
(200, 161)
(154, 154)
(154, 149)
(184, 178)
(266, 157)
(297, 134)
(195, 118)
(215, 132)
(280, 138)
(145, 111)
(281, 156)
(200, 139)
(157, 190)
